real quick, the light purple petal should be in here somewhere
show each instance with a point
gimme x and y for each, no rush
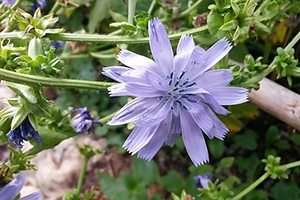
(116, 72)
(172, 139)
(193, 139)
(146, 77)
(136, 61)
(160, 46)
(196, 63)
(34, 196)
(149, 150)
(138, 138)
(143, 90)
(219, 129)
(218, 51)
(156, 114)
(12, 189)
(186, 44)
(133, 110)
(229, 95)
(118, 90)
(215, 105)
(185, 48)
(214, 78)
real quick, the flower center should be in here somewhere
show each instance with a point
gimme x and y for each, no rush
(178, 85)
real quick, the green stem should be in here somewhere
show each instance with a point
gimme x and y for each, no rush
(151, 6)
(252, 186)
(291, 165)
(272, 66)
(99, 38)
(131, 10)
(27, 79)
(262, 178)
(190, 9)
(16, 4)
(82, 173)
(55, 8)
(267, 51)
(107, 118)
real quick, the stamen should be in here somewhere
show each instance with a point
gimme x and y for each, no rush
(191, 85)
(180, 77)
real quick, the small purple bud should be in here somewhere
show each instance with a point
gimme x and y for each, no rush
(24, 131)
(57, 44)
(38, 4)
(203, 180)
(83, 121)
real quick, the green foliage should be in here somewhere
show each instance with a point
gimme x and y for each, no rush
(89, 151)
(130, 186)
(36, 24)
(281, 190)
(274, 169)
(286, 64)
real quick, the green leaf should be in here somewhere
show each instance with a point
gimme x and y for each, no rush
(117, 17)
(172, 182)
(127, 27)
(228, 26)
(200, 170)
(230, 181)
(19, 117)
(23, 91)
(283, 191)
(140, 166)
(216, 148)
(256, 195)
(113, 188)
(247, 140)
(272, 134)
(225, 163)
(99, 12)
(296, 139)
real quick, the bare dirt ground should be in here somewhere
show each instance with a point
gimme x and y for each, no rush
(58, 169)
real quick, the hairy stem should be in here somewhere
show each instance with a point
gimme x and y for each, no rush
(82, 173)
(4, 15)
(26, 79)
(99, 38)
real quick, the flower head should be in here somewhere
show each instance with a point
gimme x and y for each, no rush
(56, 44)
(175, 94)
(38, 4)
(8, 2)
(24, 131)
(12, 189)
(83, 121)
(203, 180)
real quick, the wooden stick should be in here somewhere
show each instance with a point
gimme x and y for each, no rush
(278, 101)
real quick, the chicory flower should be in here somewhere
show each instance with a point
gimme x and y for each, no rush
(12, 189)
(24, 131)
(83, 121)
(175, 95)
(202, 181)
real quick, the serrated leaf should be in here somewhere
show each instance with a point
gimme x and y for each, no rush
(125, 26)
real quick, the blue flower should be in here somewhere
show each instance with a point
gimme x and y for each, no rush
(56, 44)
(175, 95)
(38, 4)
(12, 189)
(83, 121)
(8, 2)
(24, 131)
(203, 180)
